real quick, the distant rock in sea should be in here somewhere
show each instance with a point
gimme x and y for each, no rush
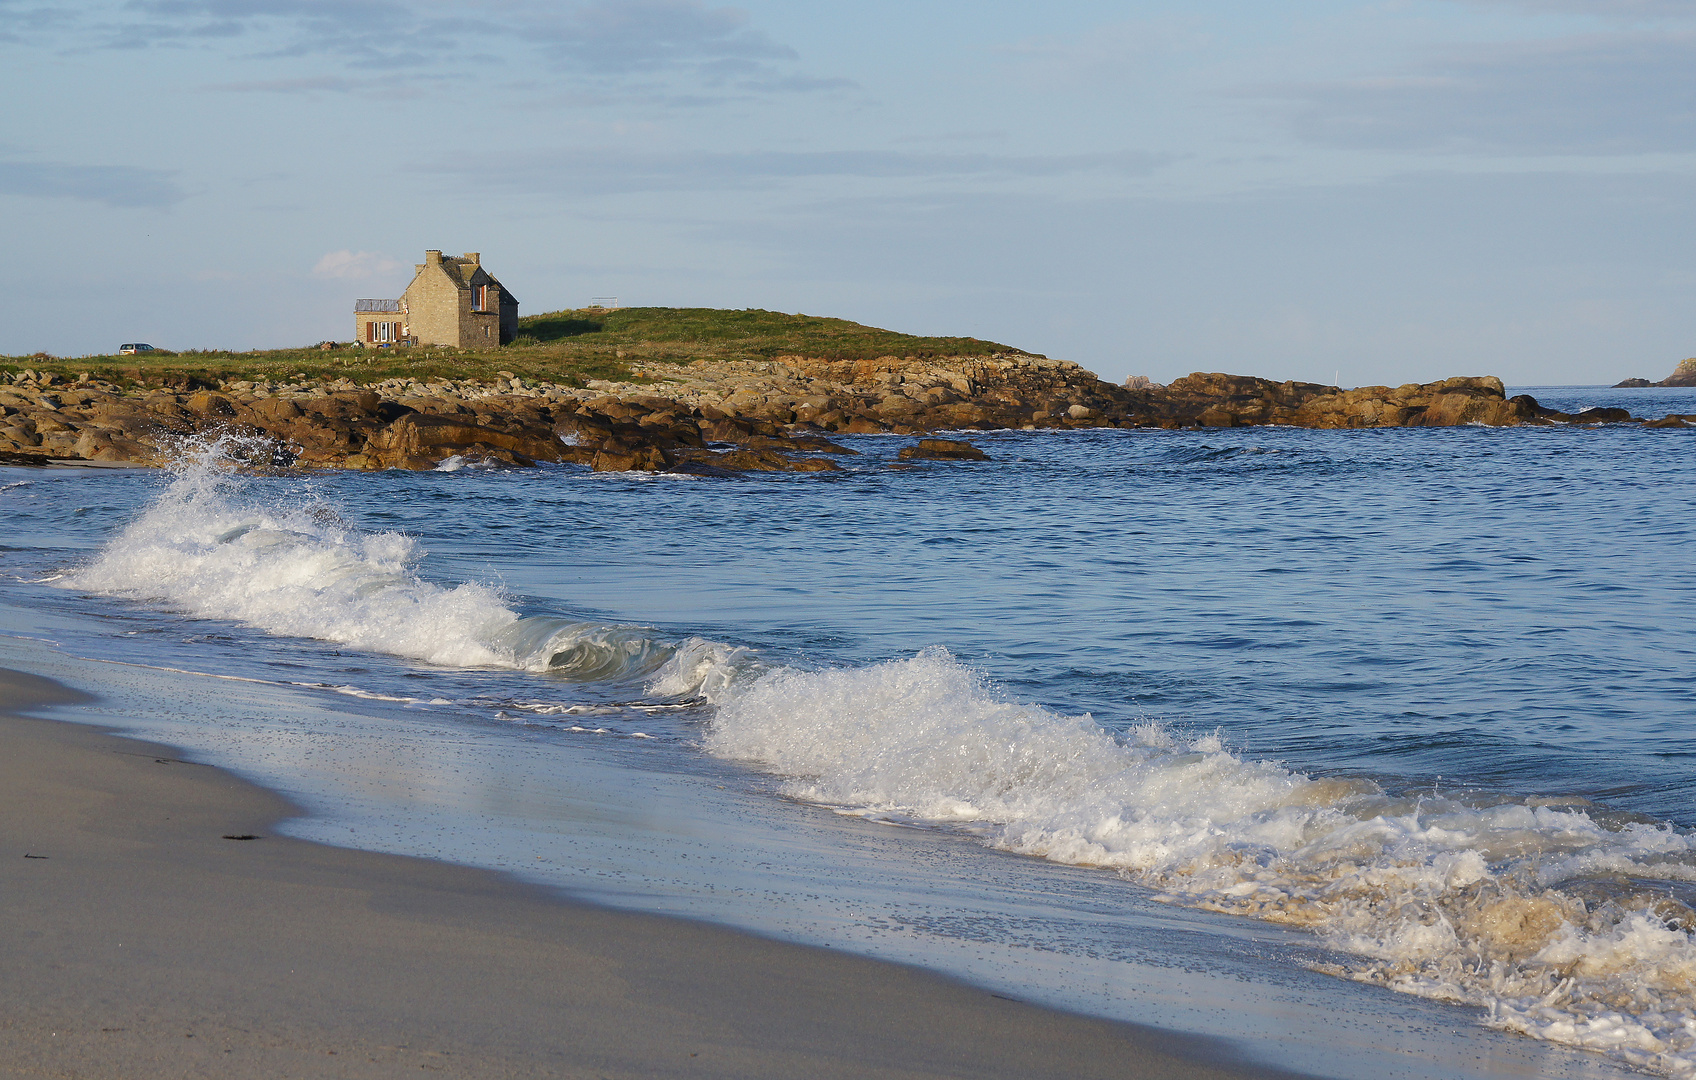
(1683, 375)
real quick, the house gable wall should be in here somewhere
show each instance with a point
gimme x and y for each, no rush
(433, 303)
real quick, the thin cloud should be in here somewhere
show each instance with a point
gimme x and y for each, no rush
(348, 265)
(23, 20)
(796, 84)
(612, 172)
(601, 41)
(1106, 56)
(647, 35)
(111, 185)
(1625, 10)
(1597, 95)
(392, 87)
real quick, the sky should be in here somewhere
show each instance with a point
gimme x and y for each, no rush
(1334, 190)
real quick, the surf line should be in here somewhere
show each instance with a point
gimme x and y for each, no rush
(348, 691)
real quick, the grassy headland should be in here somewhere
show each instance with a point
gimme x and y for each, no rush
(563, 347)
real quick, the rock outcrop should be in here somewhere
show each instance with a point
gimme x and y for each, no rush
(706, 418)
(942, 450)
(1239, 400)
(1683, 375)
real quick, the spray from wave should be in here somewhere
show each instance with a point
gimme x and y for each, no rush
(1558, 919)
(208, 547)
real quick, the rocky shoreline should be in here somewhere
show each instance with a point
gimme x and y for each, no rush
(706, 417)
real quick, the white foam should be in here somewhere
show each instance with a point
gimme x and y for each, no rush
(1483, 904)
(206, 547)
(702, 668)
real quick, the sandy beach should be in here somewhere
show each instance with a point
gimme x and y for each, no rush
(143, 940)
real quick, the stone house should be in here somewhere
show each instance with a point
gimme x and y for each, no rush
(451, 301)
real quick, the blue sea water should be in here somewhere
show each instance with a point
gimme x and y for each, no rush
(1156, 715)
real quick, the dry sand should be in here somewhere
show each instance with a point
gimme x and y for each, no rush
(140, 938)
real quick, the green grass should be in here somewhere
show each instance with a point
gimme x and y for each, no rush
(564, 347)
(692, 333)
(360, 365)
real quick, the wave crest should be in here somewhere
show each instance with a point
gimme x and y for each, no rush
(208, 548)
(1549, 916)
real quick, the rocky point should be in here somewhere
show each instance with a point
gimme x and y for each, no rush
(705, 417)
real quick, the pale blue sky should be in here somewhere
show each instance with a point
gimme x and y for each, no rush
(1376, 192)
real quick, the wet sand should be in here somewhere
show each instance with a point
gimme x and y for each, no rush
(143, 937)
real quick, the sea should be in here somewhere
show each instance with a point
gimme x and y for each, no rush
(1367, 753)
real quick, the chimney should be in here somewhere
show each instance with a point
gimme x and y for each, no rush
(432, 258)
(474, 258)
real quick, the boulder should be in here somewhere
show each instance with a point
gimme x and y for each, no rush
(210, 405)
(942, 450)
(416, 441)
(638, 459)
(764, 461)
(1604, 415)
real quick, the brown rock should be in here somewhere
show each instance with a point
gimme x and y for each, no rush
(942, 450)
(210, 405)
(764, 461)
(640, 459)
(806, 443)
(898, 407)
(108, 445)
(726, 430)
(1683, 375)
(422, 442)
(275, 410)
(1604, 416)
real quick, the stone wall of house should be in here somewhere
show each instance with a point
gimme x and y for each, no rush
(364, 320)
(480, 328)
(434, 302)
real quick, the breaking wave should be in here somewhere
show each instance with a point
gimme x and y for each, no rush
(207, 547)
(1557, 917)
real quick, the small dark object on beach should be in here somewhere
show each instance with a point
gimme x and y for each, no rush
(242, 836)
(27, 855)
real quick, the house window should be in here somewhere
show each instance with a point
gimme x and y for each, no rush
(479, 298)
(383, 331)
